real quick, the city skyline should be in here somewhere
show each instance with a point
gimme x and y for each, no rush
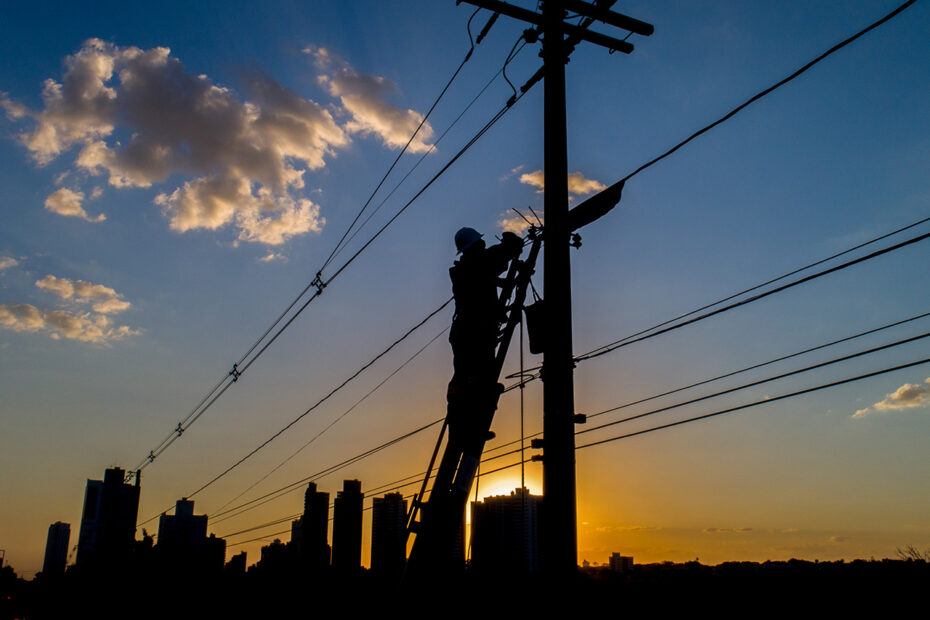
(142, 253)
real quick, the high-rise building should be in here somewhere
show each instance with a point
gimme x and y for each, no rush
(388, 535)
(183, 528)
(56, 548)
(108, 522)
(505, 533)
(620, 563)
(309, 533)
(236, 564)
(183, 543)
(275, 557)
(347, 527)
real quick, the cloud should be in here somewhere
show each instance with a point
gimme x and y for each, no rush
(13, 110)
(509, 222)
(273, 256)
(137, 117)
(512, 172)
(105, 300)
(7, 261)
(212, 202)
(536, 178)
(96, 326)
(908, 396)
(21, 318)
(61, 323)
(578, 185)
(67, 202)
(363, 97)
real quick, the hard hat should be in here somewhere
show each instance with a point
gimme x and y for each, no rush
(465, 238)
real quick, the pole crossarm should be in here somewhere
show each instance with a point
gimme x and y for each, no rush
(598, 13)
(601, 14)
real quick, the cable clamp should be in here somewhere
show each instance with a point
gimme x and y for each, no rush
(234, 373)
(179, 430)
(151, 456)
(318, 282)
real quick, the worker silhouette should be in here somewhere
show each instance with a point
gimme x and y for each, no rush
(478, 315)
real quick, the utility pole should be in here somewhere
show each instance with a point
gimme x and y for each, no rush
(560, 531)
(559, 538)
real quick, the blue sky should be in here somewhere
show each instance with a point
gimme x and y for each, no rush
(311, 101)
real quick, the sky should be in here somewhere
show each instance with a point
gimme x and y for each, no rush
(173, 175)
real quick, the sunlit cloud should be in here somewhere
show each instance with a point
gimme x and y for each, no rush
(578, 184)
(908, 396)
(85, 327)
(136, 116)
(212, 202)
(512, 172)
(21, 317)
(7, 261)
(272, 257)
(363, 97)
(67, 202)
(14, 111)
(104, 299)
(511, 222)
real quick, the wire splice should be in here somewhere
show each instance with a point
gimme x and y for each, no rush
(318, 282)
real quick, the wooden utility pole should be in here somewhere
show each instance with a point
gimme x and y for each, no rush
(559, 527)
(559, 539)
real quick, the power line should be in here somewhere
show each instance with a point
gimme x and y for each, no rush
(324, 398)
(727, 375)
(762, 364)
(293, 516)
(421, 159)
(317, 404)
(768, 90)
(838, 360)
(442, 93)
(414, 479)
(329, 470)
(756, 403)
(233, 376)
(340, 417)
(609, 348)
(622, 343)
(763, 284)
(630, 339)
(351, 259)
(510, 103)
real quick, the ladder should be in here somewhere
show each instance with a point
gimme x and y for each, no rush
(437, 522)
